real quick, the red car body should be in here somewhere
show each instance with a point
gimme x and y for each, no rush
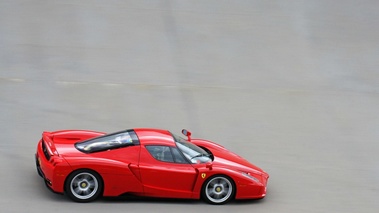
(134, 170)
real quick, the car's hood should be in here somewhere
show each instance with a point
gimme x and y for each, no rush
(226, 158)
(229, 159)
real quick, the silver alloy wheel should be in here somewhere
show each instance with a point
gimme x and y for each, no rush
(84, 185)
(218, 189)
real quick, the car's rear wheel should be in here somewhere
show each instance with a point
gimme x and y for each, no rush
(218, 189)
(83, 186)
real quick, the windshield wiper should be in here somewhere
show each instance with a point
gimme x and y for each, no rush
(201, 155)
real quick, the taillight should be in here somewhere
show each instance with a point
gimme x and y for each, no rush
(45, 151)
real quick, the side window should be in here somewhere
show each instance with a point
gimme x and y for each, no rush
(161, 153)
(108, 142)
(178, 157)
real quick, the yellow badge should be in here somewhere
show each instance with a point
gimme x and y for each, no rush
(203, 175)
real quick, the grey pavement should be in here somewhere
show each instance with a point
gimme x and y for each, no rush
(292, 86)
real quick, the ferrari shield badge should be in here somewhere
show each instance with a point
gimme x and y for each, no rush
(203, 175)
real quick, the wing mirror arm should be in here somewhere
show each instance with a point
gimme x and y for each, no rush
(187, 133)
(209, 165)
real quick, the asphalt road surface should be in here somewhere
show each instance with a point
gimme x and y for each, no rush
(292, 86)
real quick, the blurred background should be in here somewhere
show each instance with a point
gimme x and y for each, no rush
(292, 86)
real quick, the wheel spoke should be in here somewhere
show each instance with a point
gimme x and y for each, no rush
(75, 182)
(217, 196)
(77, 190)
(224, 184)
(210, 191)
(86, 192)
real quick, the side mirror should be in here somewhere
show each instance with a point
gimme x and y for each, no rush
(187, 133)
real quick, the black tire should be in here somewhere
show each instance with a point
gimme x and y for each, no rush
(83, 186)
(218, 189)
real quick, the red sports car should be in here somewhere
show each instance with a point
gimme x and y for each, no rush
(145, 162)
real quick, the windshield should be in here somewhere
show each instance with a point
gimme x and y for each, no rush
(192, 152)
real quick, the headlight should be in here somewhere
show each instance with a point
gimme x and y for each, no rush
(250, 176)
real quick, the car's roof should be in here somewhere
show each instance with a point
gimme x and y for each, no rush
(151, 136)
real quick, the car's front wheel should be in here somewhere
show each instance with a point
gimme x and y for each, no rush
(218, 189)
(83, 186)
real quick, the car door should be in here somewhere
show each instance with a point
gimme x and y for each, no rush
(165, 172)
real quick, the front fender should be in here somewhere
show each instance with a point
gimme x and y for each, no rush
(245, 187)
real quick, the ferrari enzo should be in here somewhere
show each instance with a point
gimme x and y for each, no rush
(85, 165)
